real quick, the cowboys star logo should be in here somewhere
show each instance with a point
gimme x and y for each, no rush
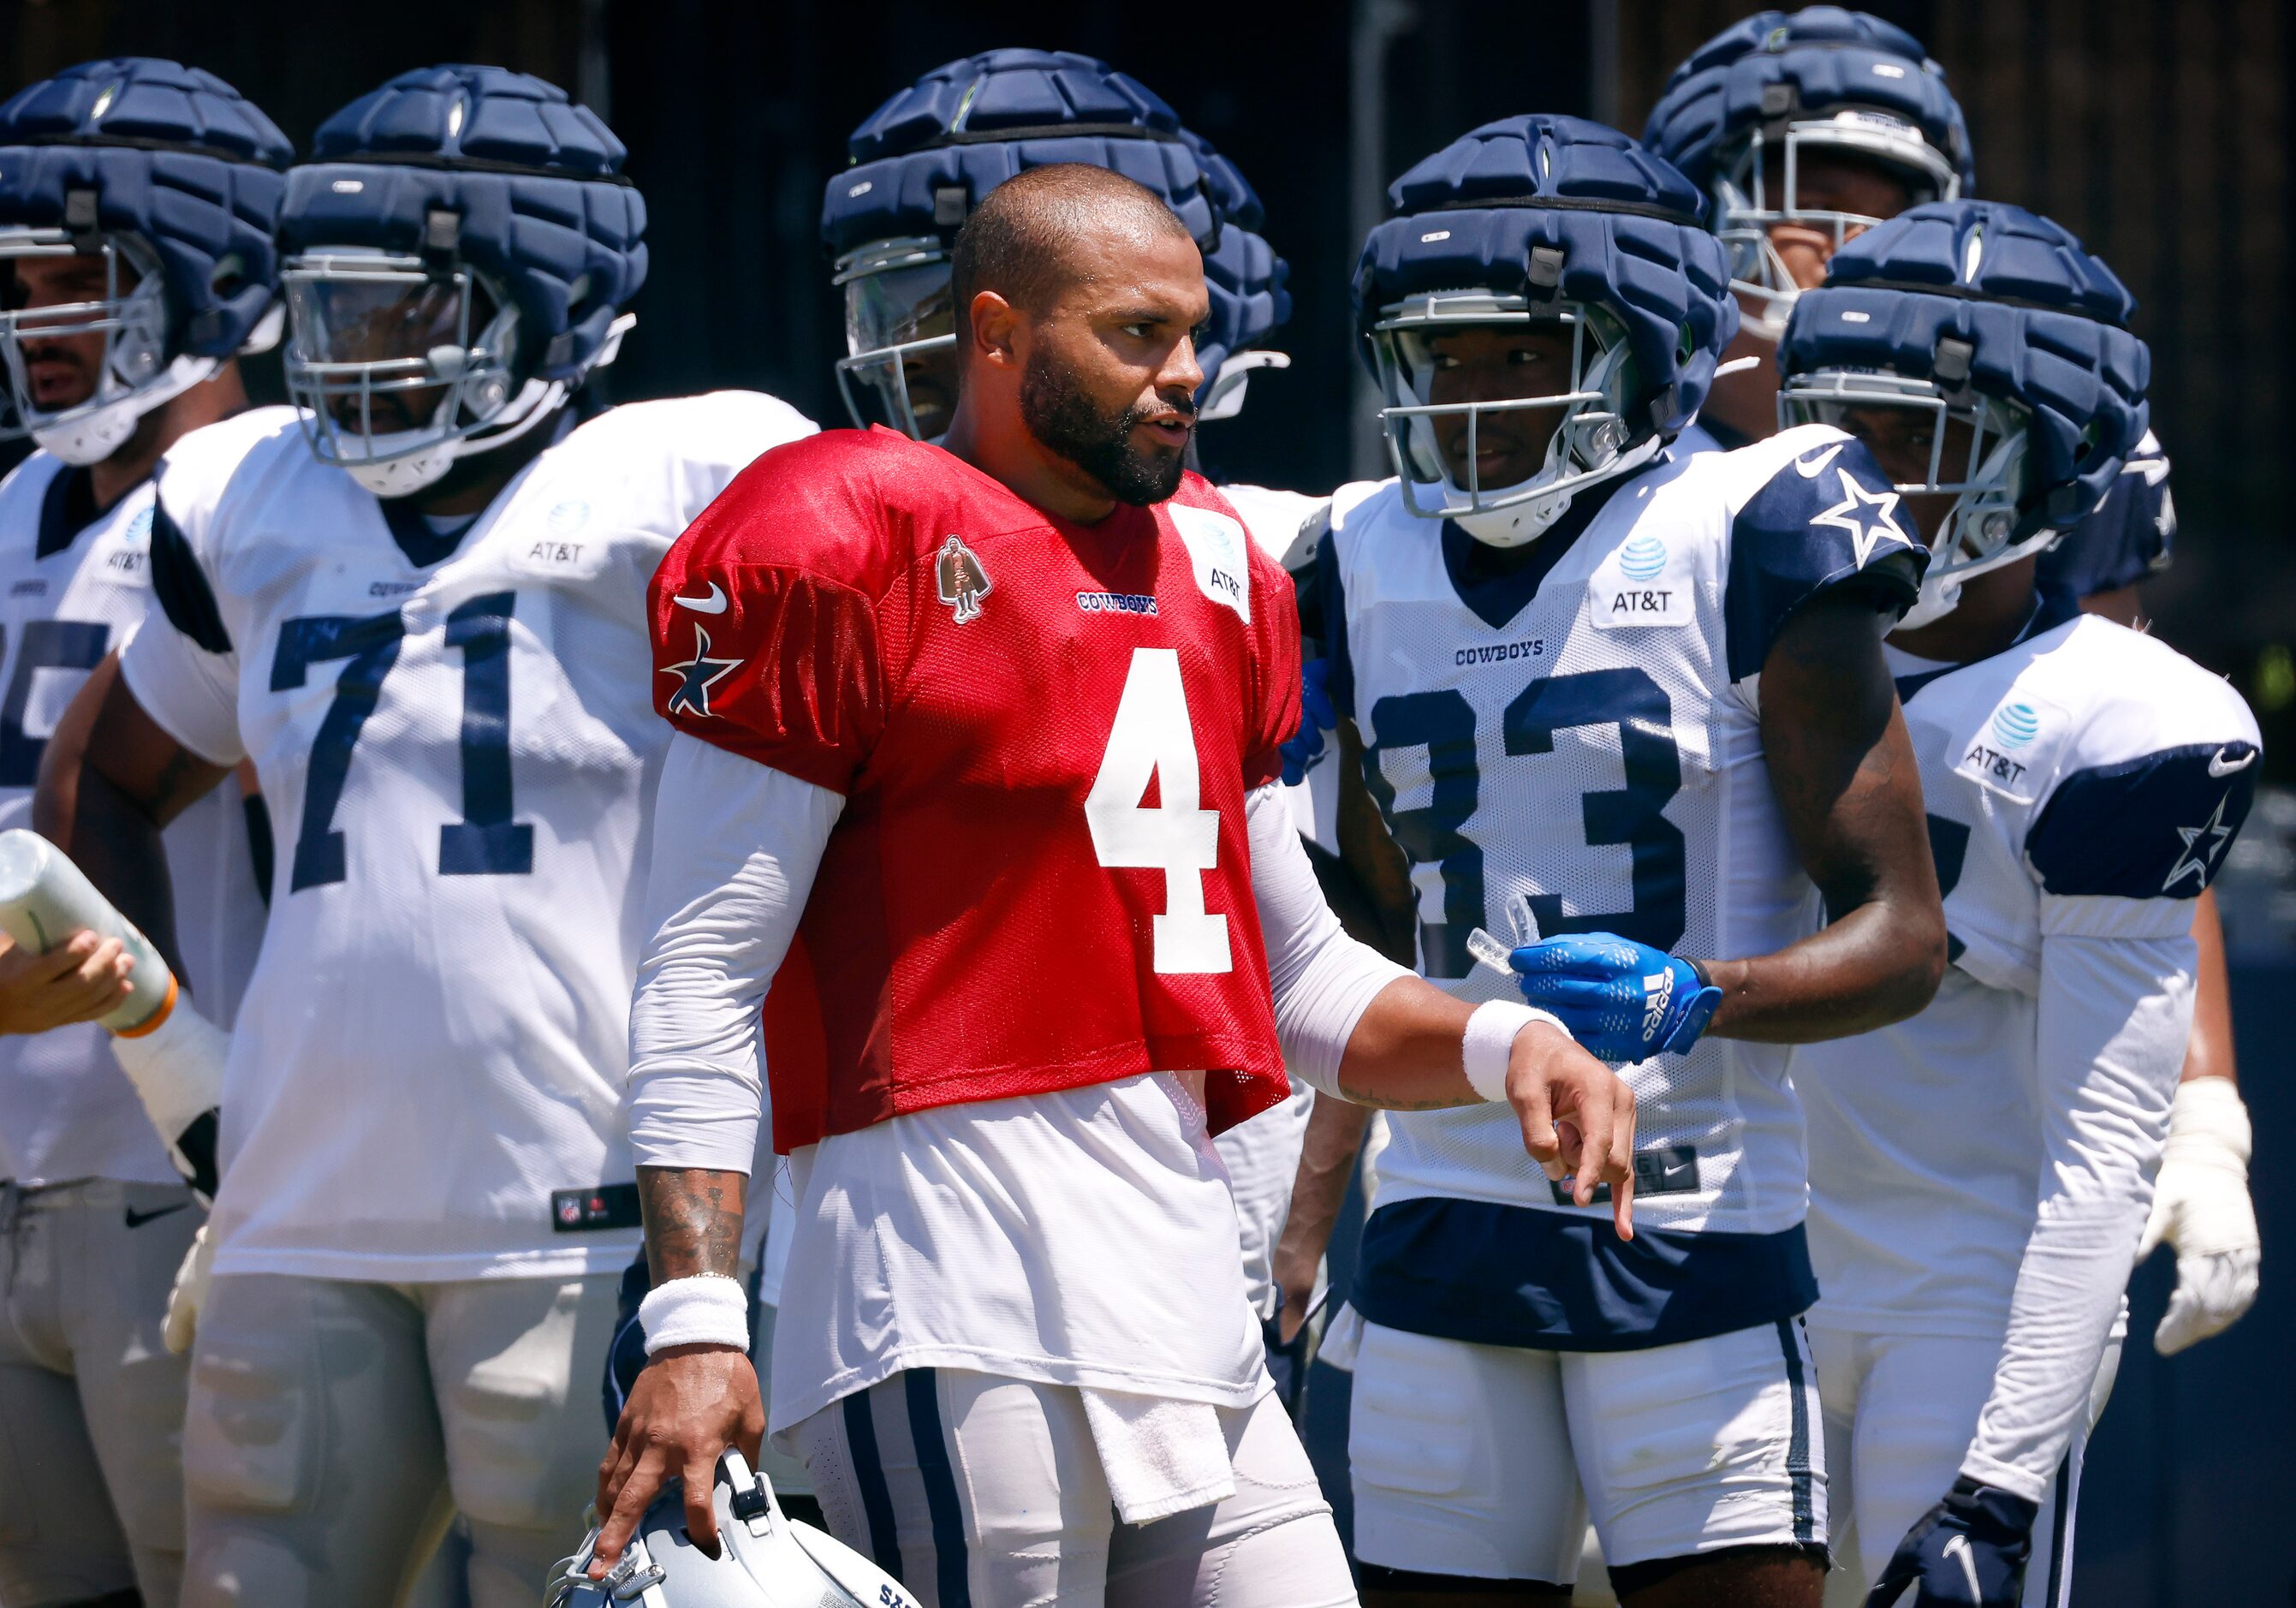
(1851, 514)
(2201, 844)
(963, 583)
(696, 676)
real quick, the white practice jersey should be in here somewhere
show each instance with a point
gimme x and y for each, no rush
(75, 584)
(455, 733)
(2080, 786)
(1582, 732)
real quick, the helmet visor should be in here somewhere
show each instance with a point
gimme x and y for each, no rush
(1793, 197)
(387, 355)
(1489, 403)
(85, 325)
(900, 341)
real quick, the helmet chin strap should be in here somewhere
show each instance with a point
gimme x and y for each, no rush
(94, 436)
(419, 470)
(1520, 523)
(1939, 595)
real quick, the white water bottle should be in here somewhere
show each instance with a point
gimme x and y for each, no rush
(45, 898)
(173, 1055)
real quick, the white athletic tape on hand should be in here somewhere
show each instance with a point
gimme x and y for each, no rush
(706, 1310)
(1489, 1043)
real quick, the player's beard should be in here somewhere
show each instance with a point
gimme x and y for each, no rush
(1058, 413)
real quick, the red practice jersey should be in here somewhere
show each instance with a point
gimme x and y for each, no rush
(1043, 732)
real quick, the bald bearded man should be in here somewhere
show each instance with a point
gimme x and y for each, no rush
(976, 766)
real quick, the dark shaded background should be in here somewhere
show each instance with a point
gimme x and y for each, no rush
(2158, 131)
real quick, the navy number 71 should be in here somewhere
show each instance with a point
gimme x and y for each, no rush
(487, 841)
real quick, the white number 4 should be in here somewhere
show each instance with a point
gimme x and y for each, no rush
(1151, 737)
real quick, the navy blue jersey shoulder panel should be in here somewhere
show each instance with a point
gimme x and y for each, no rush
(1826, 521)
(1514, 1275)
(2155, 827)
(67, 508)
(182, 587)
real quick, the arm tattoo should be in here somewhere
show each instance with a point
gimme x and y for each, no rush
(692, 1221)
(1388, 1101)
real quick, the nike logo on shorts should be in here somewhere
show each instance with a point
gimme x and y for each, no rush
(136, 1219)
(715, 603)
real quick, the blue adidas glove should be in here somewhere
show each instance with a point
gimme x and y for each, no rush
(1623, 1001)
(1316, 717)
(1968, 1551)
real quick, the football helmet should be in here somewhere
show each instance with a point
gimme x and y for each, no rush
(161, 185)
(458, 251)
(1821, 79)
(1990, 337)
(921, 160)
(1558, 224)
(764, 1559)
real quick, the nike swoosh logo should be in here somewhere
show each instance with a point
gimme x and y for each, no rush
(1957, 1549)
(2218, 766)
(1809, 469)
(715, 603)
(136, 1219)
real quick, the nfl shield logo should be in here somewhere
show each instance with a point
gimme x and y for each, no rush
(963, 583)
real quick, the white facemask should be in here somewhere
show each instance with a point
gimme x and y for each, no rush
(95, 435)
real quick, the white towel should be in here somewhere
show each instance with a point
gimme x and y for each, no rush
(1161, 1457)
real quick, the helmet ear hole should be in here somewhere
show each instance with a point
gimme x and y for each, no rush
(229, 277)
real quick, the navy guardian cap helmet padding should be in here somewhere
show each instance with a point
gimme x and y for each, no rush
(1558, 209)
(169, 154)
(1745, 115)
(1776, 66)
(500, 171)
(922, 161)
(1988, 297)
(169, 182)
(2008, 345)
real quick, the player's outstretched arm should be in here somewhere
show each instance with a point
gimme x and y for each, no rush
(111, 780)
(1359, 1026)
(1847, 786)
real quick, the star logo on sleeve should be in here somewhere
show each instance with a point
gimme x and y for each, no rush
(696, 676)
(2203, 844)
(1868, 517)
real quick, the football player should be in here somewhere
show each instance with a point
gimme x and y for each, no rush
(920, 162)
(1633, 705)
(136, 203)
(978, 770)
(1981, 1173)
(1804, 129)
(416, 602)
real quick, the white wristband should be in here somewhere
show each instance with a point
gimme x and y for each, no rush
(705, 1309)
(1489, 1043)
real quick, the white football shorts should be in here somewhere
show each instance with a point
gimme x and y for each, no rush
(1485, 1462)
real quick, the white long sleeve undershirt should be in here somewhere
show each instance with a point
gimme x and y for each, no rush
(2114, 1016)
(735, 848)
